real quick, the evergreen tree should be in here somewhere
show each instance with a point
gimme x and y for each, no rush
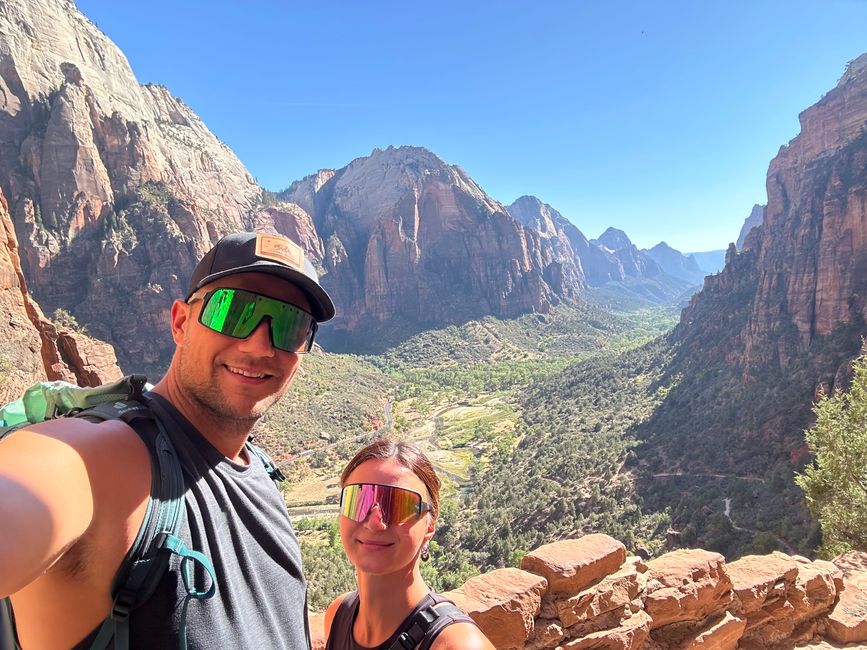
(836, 484)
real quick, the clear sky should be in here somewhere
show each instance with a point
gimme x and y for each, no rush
(658, 118)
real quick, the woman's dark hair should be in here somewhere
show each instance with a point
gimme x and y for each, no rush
(408, 455)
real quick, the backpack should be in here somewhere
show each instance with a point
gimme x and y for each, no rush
(157, 539)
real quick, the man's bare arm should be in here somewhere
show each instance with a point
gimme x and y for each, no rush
(54, 479)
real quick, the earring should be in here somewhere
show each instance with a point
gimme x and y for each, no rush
(425, 553)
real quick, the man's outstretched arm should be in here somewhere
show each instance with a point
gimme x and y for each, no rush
(46, 502)
(56, 478)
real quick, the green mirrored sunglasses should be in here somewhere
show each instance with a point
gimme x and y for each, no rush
(237, 313)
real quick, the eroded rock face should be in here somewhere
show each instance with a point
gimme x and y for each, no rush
(33, 348)
(687, 586)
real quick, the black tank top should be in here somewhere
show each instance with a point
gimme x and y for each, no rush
(235, 516)
(340, 636)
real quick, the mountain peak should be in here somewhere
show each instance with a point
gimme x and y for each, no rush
(663, 247)
(613, 239)
(530, 211)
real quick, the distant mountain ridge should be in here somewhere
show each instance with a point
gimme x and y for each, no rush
(611, 263)
(115, 188)
(709, 261)
(675, 263)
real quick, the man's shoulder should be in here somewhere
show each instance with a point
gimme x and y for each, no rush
(101, 443)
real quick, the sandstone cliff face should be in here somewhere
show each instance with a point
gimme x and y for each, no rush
(813, 242)
(114, 188)
(807, 263)
(407, 237)
(33, 348)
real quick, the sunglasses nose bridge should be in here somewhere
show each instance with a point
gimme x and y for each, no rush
(254, 338)
(379, 521)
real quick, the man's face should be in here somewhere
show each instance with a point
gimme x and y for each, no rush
(238, 379)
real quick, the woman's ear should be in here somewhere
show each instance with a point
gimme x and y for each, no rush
(431, 528)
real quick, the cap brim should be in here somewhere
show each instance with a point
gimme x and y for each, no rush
(321, 305)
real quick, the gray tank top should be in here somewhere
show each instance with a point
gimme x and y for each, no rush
(236, 517)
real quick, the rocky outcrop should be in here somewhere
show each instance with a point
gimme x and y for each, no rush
(114, 188)
(587, 593)
(34, 348)
(408, 238)
(757, 215)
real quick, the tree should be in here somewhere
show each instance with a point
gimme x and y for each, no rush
(836, 483)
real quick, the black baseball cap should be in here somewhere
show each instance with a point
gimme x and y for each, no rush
(260, 252)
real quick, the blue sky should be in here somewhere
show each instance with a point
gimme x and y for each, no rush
(658, 118)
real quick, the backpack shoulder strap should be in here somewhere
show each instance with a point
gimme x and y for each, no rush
(428, 621)
(273, 471)
(414, 629)
(157, 539)
(448, 613)
(8, 636)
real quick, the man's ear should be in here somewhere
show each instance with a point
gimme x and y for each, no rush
(180, 319)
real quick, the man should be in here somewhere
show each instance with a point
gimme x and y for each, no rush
(73, 493)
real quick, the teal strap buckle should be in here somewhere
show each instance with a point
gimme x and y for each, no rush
(189, 559)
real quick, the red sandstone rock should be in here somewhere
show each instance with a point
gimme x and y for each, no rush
(504, 603)
(815, 590)
(33, 348)
(317, 631)
(852, 562)
(547, 634)
(721, 635)
(629, 636)
(573, 564)
(686, 585)
(847, 623)
(613, 592)
(804, 268)
(400, 225)
(755, 578)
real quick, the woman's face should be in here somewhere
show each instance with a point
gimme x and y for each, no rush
(374, 547)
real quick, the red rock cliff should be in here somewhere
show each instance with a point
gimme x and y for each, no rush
(804, 270)
(33, 347)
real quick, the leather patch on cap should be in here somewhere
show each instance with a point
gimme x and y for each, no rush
(280, 249)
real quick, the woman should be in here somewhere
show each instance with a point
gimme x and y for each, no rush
(389, 505)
